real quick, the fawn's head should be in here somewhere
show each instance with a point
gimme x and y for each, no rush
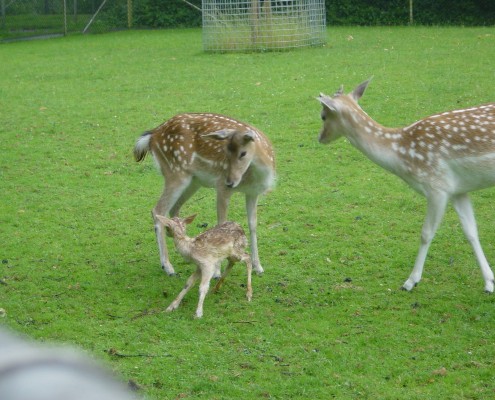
(176, 226)
(337, 110)
(239, 149)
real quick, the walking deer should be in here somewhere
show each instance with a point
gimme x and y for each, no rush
(207, 250)
(443, 157)
(211, 150)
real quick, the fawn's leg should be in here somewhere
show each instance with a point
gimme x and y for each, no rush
(207, 272)
(189, 284)
(224, 275)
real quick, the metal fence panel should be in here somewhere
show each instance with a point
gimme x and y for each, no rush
(259, 25)
(23, 19)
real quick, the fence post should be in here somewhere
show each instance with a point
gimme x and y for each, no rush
(411, 19)
(65, 17)
(129, 14)
(3, 13)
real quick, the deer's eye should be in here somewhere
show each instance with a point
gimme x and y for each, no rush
(242, 155)
(323, 117)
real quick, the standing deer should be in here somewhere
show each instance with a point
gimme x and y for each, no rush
(211, 150)
(443, 157)
(207, 250)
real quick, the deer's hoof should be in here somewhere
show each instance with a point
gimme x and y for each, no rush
(409, 285)
(169, 270)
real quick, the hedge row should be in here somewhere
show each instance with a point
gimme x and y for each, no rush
(177, 13)
(397, 12)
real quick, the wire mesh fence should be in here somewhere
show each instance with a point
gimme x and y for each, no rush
(259, 25)
(21, 19)
(228, 25)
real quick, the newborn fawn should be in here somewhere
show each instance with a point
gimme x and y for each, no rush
(207, 251)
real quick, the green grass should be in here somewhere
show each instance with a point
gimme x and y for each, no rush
(337, 237)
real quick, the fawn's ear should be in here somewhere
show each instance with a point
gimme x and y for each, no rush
(162, 219)
(190, 219)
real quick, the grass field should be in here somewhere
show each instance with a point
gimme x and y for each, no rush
(338, 236)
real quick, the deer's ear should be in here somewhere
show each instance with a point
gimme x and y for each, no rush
(222, 134)
(359, 91)
(248, 137)
(190, 219)
(327, 102)
(339, 92)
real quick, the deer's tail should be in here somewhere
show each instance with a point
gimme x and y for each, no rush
(142, 146)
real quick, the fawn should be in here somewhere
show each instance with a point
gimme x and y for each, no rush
(207, 250)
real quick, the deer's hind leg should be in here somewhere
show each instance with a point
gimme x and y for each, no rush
(464, 210)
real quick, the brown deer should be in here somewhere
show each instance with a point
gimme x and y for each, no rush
(194, 150)
(443, 157)
(207, 250)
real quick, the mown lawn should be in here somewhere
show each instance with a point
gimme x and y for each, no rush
(337, 237)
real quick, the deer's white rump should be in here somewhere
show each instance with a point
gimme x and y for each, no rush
(443, 157)
(208, 150)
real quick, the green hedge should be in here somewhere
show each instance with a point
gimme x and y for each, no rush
(396, 12)
(176, 13)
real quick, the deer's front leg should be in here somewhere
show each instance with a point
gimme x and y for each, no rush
(223, 200)
(162, 246)
(251, 210)
(436, 209)
(175, 186)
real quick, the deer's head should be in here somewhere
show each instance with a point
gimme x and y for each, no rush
(239, 150)
(337, 112)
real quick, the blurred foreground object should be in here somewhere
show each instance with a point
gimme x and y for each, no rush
(29, 371)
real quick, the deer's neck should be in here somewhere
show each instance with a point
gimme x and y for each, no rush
(377, 142)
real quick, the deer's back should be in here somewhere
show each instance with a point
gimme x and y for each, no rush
(454, 150)
(181, 141)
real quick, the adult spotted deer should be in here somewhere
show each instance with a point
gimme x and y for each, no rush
(443, 157)
(194, 150)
